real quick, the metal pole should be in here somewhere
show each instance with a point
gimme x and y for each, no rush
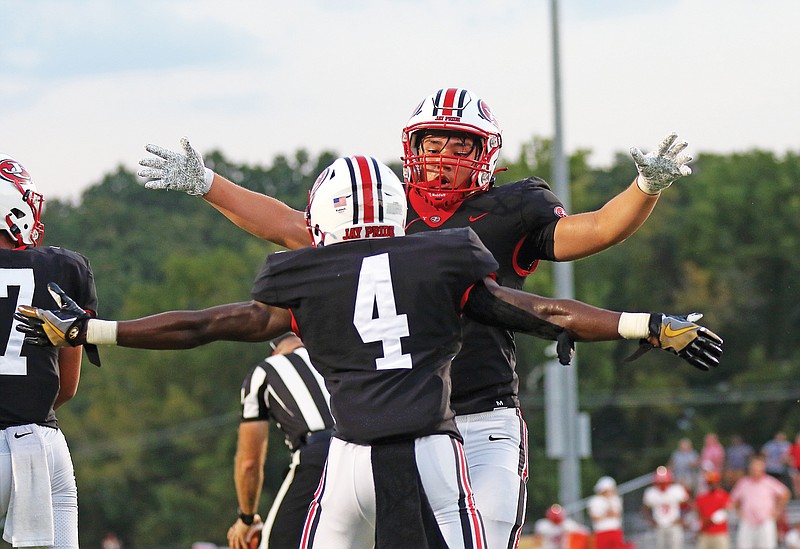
(569, 466)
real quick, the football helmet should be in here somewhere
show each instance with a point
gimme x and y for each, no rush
(20, 204)
(662, 475)
(454, 112)
(555, 514)
(354, 198)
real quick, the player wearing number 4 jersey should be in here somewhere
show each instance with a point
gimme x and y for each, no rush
(38, 495)
(382, 331)
(451, 146)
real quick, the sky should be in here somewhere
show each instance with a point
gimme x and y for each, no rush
(87, 83)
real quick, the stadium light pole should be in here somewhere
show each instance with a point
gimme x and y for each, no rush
(569, 465)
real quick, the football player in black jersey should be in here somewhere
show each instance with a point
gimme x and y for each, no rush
(383, 331)
(42, 508)
(451, 146)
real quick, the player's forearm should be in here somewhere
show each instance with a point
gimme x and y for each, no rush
(249, 477)
(584, 322)
(584, 234)
(248, 321)
(259, 214)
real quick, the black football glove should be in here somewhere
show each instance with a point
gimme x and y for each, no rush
(62, 327)
(679, 335)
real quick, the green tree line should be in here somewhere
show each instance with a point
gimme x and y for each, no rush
(153, 433)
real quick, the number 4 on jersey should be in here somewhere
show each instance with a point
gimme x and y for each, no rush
(375, 291)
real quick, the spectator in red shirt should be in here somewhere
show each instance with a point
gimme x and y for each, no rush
(794, 464)
(712, 511)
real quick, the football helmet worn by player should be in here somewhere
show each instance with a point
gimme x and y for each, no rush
(662, 476)
(356, 197)
(20, 204)
(555, 514)
(445, 175)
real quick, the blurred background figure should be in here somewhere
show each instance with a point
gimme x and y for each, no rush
(605, 511)
(662, 503)
(558, 531)
(759, 500)
(712, 454)
(712, 511)
(792, 539)
(777, 457)
(737, 456)
(794, 465)
(684, 463)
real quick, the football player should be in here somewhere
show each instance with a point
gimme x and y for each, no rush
(451, 146)
(382, 332)
(42, 507)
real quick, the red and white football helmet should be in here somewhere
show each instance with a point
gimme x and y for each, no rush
(663, 476)
(20, 204)
(555, 514)
(354, 198)
(456, 111)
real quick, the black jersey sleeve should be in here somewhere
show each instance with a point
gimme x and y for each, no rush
(266, 287)
(541, 210)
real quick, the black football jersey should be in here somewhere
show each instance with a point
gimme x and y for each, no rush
(29, 375)
(382, 321)
(289, 390)
(516, 222)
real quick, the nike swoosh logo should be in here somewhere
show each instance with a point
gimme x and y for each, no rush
(491, 437)
(669, 332)
(20, 435)
(474, 218)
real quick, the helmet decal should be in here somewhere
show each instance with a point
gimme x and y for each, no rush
(13, 171)
(485, 112)
(451, 102)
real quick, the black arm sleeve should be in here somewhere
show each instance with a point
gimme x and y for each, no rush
(483, 307)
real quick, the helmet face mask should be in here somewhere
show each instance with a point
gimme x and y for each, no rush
(354, 198)
(20, 204)
(451, 145)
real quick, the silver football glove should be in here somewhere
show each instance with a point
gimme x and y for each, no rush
(173, 171)
(659, 169)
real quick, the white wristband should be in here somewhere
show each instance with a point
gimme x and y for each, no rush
(645, 186)
(208, 178)
(634, 325)
(101, 332)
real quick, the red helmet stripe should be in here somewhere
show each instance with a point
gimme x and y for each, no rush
(366, 187)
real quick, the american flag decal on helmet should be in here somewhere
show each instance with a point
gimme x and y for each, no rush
(365, 177)
(451, 102)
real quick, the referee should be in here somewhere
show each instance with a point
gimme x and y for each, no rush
(286, 388)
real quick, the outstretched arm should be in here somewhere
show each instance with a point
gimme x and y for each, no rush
(71, 326)
(259, 214)
(567, 320)
(256, 213)
(584, 234)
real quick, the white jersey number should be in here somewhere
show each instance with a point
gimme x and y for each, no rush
(375, 291)
(12, 363)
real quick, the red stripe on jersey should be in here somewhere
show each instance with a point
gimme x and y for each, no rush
(367, 188)
(449, 97)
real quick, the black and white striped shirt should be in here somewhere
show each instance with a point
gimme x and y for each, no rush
(287, 389)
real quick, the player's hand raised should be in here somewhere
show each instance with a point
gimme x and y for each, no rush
(659, 169)
(174, 171)
(679, 335)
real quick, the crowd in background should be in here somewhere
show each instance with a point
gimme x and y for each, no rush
(719, 496)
